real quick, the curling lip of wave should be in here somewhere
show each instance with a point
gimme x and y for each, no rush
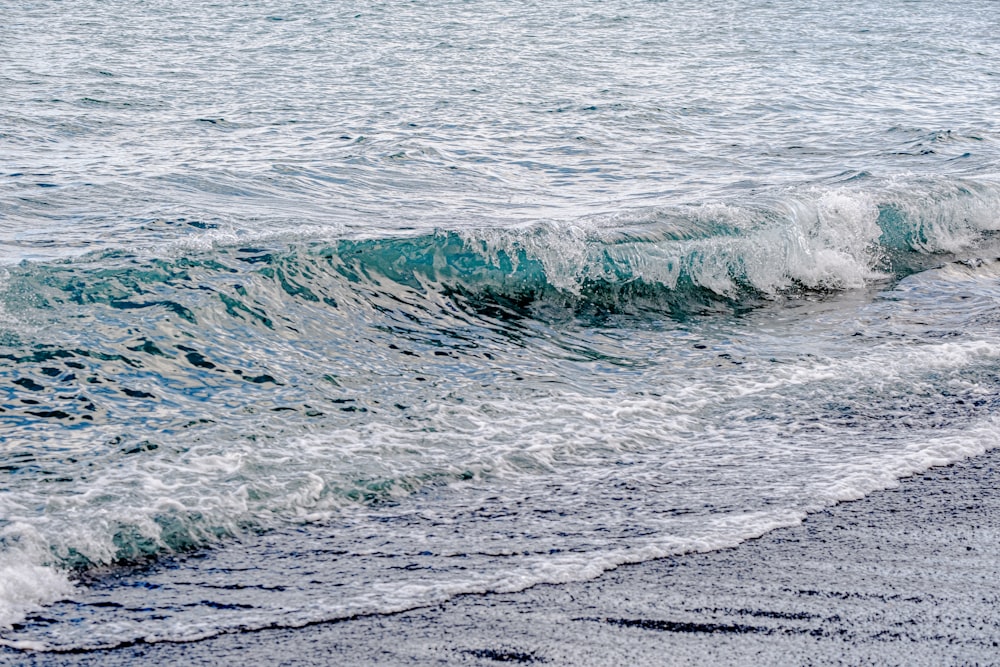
(687, 257)
(817, 239)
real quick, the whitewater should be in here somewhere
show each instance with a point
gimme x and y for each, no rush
(310, 311)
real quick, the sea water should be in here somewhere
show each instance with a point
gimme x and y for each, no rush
(313, 309)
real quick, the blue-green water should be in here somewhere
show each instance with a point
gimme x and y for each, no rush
(316, 309)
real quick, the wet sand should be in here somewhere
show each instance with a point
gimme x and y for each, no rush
(909, 575)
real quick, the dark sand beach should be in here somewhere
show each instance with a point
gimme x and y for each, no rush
(905, 576)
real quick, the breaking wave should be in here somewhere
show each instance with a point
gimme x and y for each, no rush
(263, 344)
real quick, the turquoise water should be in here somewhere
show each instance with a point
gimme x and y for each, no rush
(312, 310)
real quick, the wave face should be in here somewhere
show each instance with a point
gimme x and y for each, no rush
(339, 311)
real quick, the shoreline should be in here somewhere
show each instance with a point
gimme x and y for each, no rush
(906, 575)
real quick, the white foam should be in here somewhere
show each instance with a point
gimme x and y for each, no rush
(945, 215)
(820, 238)
(26, 587)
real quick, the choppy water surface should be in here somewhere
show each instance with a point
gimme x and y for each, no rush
(316, 309)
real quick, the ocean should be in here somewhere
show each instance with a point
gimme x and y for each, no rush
(314, 310)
